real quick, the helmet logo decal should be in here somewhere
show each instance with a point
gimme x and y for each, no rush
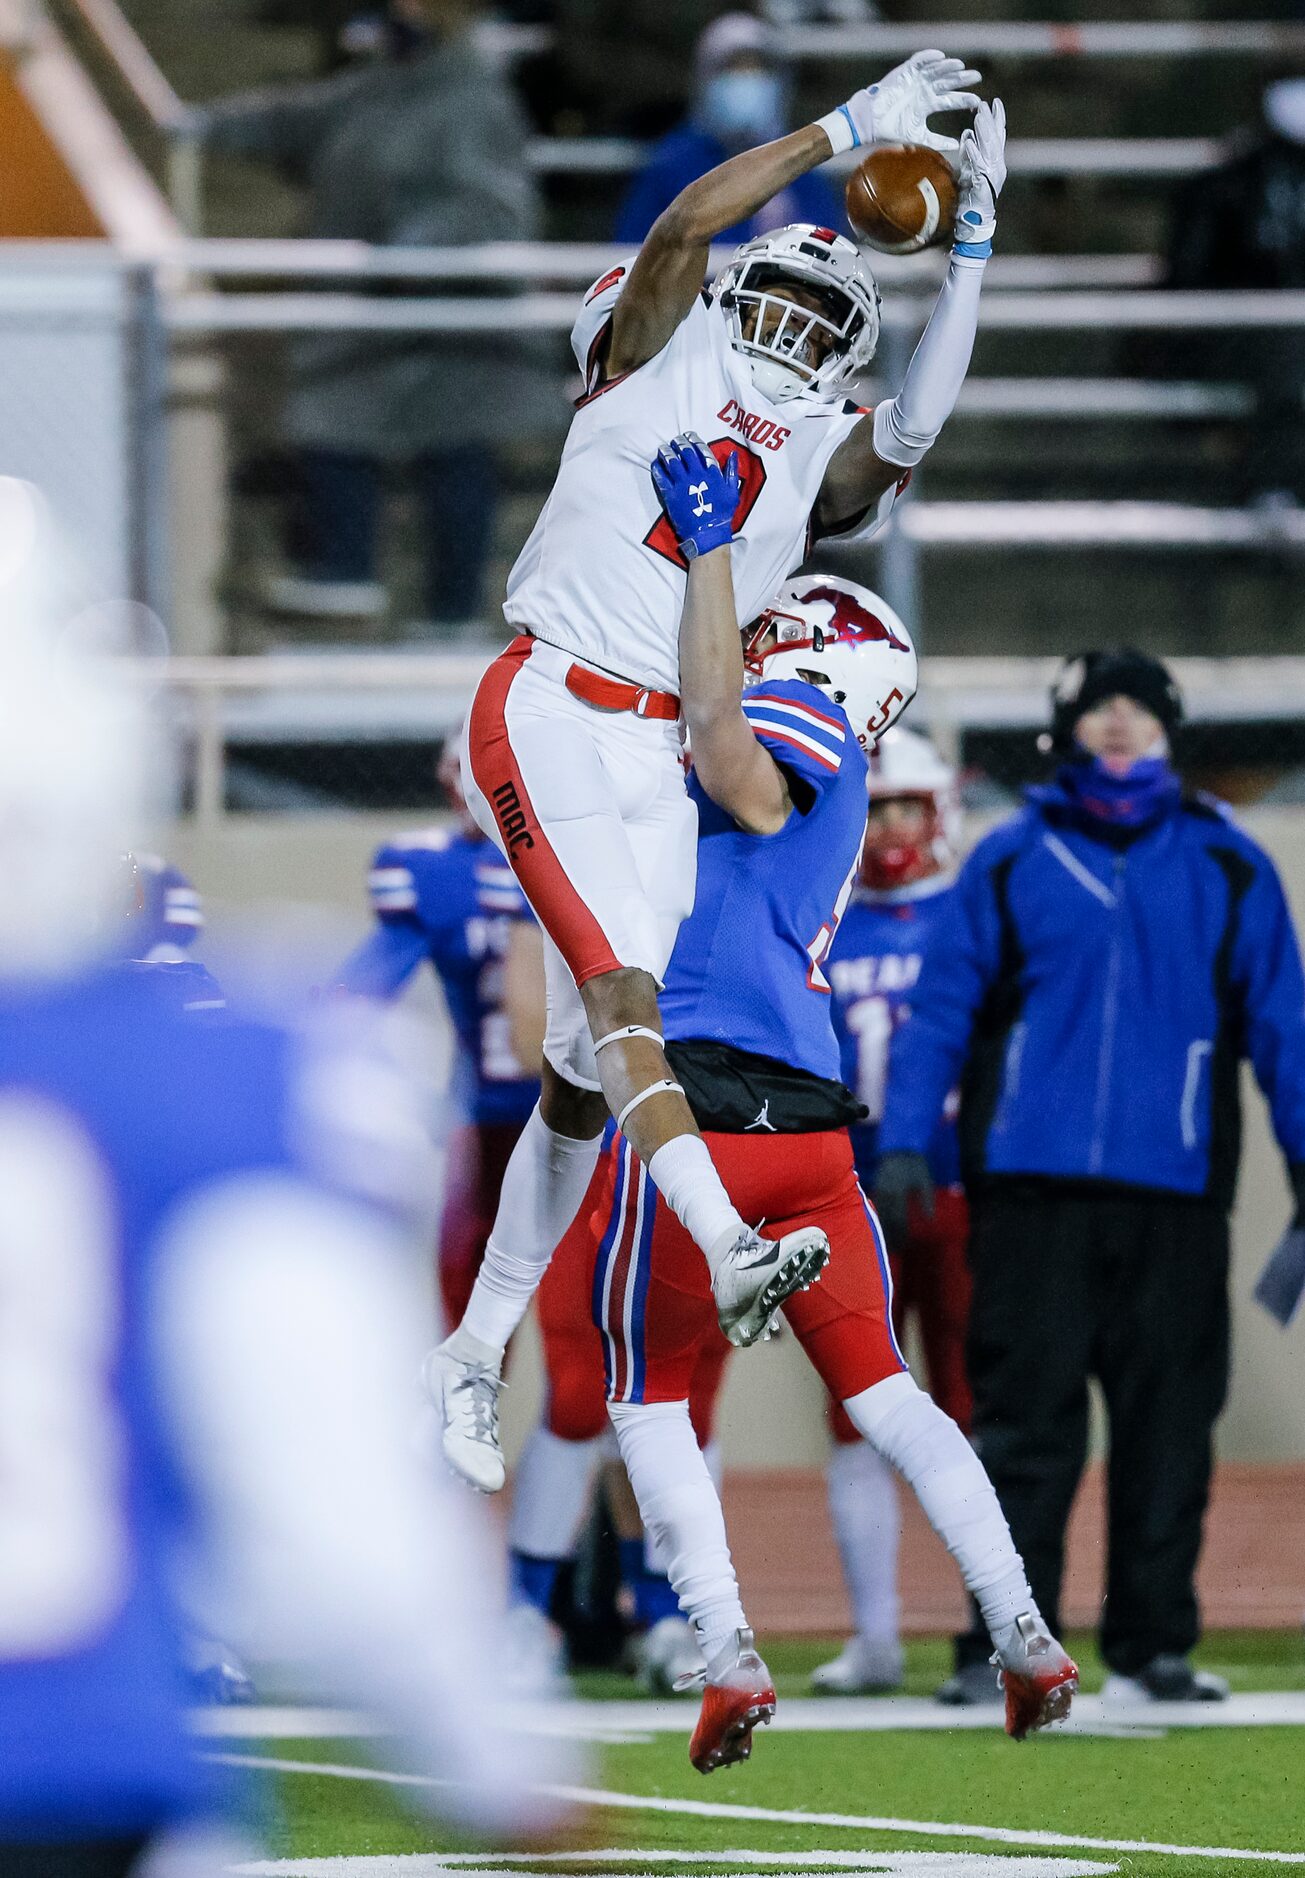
(851, 617)
(661, 536)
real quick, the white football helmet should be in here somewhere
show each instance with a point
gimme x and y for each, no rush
(905, 764)
(831, 632)
(776, 336)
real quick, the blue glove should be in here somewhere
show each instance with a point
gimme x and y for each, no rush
(698, 495)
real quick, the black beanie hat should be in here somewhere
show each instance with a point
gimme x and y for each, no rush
(1088, 678)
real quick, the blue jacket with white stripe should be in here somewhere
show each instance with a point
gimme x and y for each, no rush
(1095, 995)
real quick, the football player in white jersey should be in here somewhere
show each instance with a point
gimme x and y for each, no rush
(573, 745)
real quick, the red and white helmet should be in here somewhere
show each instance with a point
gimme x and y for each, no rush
(831, 632)
(774, 335)
(903, 764)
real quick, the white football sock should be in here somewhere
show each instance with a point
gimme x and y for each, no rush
(550, 1494)
(682, 1514)
(711, 1454)
(542, 1189)
(933, 1456)
(684, 1175)
(867, 1525)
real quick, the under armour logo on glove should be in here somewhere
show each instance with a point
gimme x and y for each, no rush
(699, 495)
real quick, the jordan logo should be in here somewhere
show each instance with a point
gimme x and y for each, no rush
(763, 1120)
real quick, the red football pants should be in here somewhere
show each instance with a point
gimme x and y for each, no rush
(630, 1264)
(931, 1281)
(476, 1162)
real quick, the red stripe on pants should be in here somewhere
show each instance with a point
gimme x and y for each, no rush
(558, 905)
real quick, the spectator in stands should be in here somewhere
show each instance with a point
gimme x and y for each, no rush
(1243, 225)
(740, 98)
(421, 147)
(1107, 958)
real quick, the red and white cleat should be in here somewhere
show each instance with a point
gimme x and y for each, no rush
(1038, 1678)
(739, 1694)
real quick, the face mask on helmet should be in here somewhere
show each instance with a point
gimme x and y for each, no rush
(913, 828)
(803, 309)
(841, 637)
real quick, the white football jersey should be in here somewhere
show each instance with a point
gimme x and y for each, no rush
(602, 575)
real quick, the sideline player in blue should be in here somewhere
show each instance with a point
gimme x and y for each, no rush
(209, 1310)
(164, 916)
(450, 900)
(780, 785)
(908, 866)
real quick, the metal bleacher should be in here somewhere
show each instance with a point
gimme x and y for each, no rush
(1090, 483)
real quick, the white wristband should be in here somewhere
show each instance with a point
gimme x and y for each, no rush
(840, 130)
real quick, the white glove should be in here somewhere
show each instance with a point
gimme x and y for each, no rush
(983, 171)
(896, 109)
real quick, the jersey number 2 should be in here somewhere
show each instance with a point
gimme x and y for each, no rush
(752, 474)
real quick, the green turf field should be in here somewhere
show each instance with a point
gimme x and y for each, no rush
(1239, 1788)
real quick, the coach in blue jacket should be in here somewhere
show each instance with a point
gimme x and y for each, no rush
(1110, 956)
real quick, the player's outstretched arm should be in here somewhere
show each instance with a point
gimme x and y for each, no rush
(903, 429)
(700, 499)
(670, 268)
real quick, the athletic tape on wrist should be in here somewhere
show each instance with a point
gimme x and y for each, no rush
(627, 1030)
(654, 1088)
(840, 128)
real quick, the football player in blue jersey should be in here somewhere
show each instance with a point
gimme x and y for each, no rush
(908, 866)
(449, 899)
(164, 916)
(208, 1301)
(780, 785)
(170, 914)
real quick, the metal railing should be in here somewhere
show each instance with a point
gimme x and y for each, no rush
(222, 702)
(1013, 311)
(1141, 158)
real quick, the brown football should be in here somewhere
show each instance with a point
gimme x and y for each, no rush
(902, 198)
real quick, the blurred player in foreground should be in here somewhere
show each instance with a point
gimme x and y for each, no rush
(449, 899)
(779, 780)
(908, 865)
(207, 1308)
(573, 740)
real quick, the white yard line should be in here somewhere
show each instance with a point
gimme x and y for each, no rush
(437, 1865)
(707, 1809)
(635, 1720)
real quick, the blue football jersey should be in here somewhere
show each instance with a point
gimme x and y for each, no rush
(172, 917)
(749, 963)
(115, 1112)
(874, 966)
(452, 899)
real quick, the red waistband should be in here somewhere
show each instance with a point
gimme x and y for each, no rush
(613, 694)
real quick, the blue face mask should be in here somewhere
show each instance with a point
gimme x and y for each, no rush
(1145, 792)
(743, 108)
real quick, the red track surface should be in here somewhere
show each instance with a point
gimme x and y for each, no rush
(1252, 1574)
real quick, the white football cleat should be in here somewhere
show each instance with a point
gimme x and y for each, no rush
(1164, 1679)
(466, 1394)
(758, 1275)
(1038, 1678)
(668, 1654)
(864, 1666)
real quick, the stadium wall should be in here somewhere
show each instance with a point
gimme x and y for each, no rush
(312, 870)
